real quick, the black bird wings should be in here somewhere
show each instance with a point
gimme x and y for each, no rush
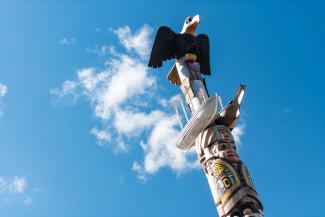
(204, 54)
(163, 48)
(170, 45)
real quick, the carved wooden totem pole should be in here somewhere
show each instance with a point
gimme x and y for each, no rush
(210, 125)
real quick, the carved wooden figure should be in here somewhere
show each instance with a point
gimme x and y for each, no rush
(231, 185)
(208, 128)
(192, 56)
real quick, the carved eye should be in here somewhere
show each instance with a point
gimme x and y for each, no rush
(222, 147)
(189, 19)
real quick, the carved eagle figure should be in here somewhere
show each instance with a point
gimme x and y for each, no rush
(170, 45)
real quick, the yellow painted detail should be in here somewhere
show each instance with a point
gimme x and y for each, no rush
(218, 169)
(226, 177)
(190, 57)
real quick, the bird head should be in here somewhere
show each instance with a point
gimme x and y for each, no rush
(191, 24)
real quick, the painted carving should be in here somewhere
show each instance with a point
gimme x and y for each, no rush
(209, 127)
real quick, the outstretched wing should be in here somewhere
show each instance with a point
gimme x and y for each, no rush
(163, 48)
(204, 54)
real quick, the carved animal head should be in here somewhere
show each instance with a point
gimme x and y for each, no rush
(191, 24)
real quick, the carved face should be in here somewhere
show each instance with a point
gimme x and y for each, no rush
(225, 146)
(228, 151)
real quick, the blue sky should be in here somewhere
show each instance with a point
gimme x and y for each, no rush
(73, 143)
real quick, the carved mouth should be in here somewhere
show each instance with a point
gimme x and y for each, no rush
(232, 155)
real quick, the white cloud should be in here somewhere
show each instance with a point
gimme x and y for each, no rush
(238, 132)
(137, 42)
(19, 185)
(130, 122)
(69, 91)
(129, 78)
(3, 90)
(142, 178)
(67, 41)
(101, 135)
(16, 189)
(123, 79)
(68, 87)
(160, 150)
(15, 185)
(121, 145)
(102, 50)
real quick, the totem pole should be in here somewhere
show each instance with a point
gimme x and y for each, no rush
(210, 125)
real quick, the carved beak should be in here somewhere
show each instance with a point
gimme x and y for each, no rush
(196, 19)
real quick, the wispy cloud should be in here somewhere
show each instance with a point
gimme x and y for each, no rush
(3, 92)
(15, 189)
(67, 41)
(3, 89)
(286, 110)
(101, 135)
(283, 112)
(120, 179)
(13, 185)
(102, 50)
(28, 201)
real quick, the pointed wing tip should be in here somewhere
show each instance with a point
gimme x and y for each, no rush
(155, 66)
